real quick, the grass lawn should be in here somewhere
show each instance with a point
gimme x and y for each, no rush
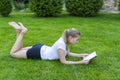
(100, 34)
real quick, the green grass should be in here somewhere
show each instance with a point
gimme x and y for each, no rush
(100, 34)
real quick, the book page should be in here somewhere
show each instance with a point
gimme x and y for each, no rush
(89, 57)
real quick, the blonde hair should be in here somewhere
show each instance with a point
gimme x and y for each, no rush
(70, 32)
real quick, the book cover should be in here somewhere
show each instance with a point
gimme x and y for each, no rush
(91, 56)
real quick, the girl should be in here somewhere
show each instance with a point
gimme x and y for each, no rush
(59, 50)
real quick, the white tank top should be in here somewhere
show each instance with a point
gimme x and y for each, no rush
(51, 53)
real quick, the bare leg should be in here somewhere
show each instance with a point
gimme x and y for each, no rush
(18, 29)
(15, 25)
(16, 51)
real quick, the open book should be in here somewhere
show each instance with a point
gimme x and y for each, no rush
(91, 56)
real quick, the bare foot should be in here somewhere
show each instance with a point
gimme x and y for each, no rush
(15, 26)
(24, 29)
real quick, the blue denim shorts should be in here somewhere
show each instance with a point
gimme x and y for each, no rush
(34, 52)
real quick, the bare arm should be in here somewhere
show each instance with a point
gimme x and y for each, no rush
(77, 55)
(64, 61)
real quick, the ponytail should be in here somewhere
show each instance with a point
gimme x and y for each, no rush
(65, 36)
(65, 39)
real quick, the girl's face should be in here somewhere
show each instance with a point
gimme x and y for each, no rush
(73, 40)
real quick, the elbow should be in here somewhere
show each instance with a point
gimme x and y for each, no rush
(63, 62)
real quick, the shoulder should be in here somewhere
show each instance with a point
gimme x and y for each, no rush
(61, 41)
(60, 44)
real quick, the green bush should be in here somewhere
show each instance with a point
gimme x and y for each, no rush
(5, 7)
(45, 8)
(119, 4)
(84, 8)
